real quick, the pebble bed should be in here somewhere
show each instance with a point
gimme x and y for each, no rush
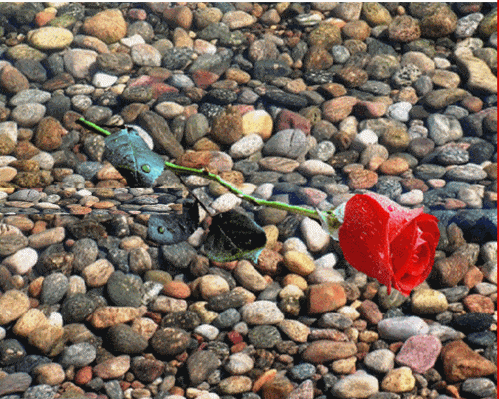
(304, 103)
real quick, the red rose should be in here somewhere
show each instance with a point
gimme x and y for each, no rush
(384, 240)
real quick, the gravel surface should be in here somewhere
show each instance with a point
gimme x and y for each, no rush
(303, 103)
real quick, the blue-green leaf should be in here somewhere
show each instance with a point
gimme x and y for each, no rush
(131, 156)
(174, 228)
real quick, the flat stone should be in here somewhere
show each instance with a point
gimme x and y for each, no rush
(419, 352)
(323, 351)
(50, 38)
(401, 328)
(112, 368)
(358, 385)
(261, 312)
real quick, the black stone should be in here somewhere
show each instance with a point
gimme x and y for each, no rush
(287, 100)
(472, 322)
(76, 308)
(185, 320)
(11, 351)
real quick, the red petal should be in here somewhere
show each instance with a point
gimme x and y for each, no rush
(402, 248)
(399, 215)
(406, 283)
(364, 238)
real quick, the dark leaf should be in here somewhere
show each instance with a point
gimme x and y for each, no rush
(234, 236)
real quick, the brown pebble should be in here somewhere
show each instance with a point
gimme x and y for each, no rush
(362, 179)
(113, 368)
(461, 362)
(477, 303)
(50, 374)
(324, 351)
(12, 80)
(326, 297)
(108, 316)
(370, 311)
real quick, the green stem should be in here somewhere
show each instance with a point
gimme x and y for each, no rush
(92, 125)
(257, 201)
(312, 213)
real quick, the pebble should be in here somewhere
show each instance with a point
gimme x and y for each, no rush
(461, 362)
(400, 121)
(246, 146)
(401, 328)
(398, 380)
(357, 385)
(78, 355)
(380, 360)
(239, 363)
(419, 352)
(288, 143)
(261, 312)
(22, 261)
(13, 304)
(427, 301)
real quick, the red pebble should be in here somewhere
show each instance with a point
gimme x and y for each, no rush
(235, 337)
(83, 376)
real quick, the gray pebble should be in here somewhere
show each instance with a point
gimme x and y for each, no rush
(288, 143)
(479, 387)
(78, 355)
(380, 360)
(468, 173)
(443, 129)
(401, 328)
(54, 287)
(30, 96)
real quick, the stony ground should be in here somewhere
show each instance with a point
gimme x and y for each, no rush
(304, 103)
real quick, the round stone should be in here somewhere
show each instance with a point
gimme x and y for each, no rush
(261, 312)
(54, 288)
(78, 355)
(50, 38)
(264, 337)
(239, 363)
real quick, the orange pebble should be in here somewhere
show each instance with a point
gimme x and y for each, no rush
(83, 375)
(177, 289)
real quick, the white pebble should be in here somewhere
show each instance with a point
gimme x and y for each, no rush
(226, 202)
(315, 236)
(6, 159)
(294, 244)
(400, 111)
(22, 261)
(264, 191)
(55, 319)
(413, 197)
(169, 109)
(246, 146)
(45, 160)
(441, 63)
(132, 40)
(363, 139)
(104, 80)
(328, 260)
(207, 331)
(312, 167)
